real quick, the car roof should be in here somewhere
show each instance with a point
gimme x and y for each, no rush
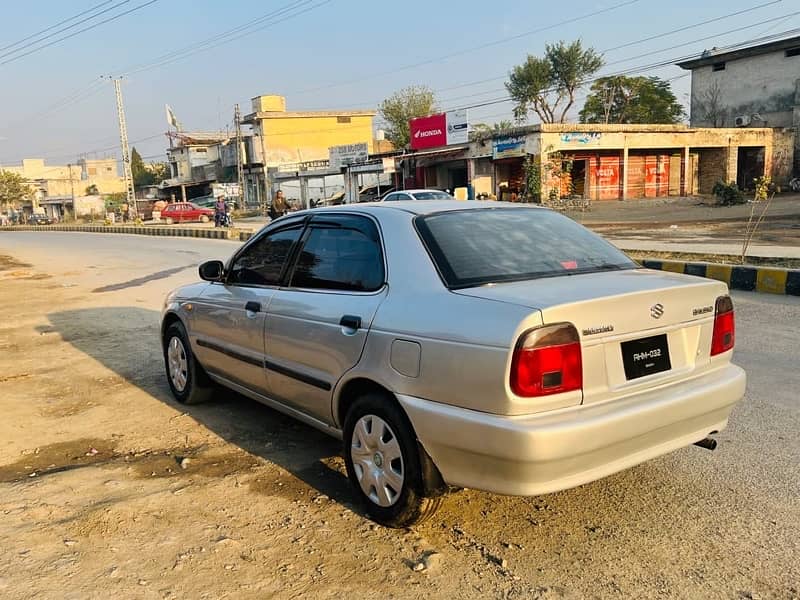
(421, 208)
(420, 190)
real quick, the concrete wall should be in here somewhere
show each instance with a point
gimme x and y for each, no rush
(764, 85)
(290, 139)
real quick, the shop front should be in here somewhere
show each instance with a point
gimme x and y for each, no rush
(508, 154)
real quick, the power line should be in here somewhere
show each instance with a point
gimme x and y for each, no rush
(637, 69)
(72, 18)
(74, 33)
(227, 37)
(628, 44)
(670, 62)
(471, 49)
(642, 40)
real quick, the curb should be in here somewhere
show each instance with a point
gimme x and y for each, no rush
(769, 280)
(214, 234)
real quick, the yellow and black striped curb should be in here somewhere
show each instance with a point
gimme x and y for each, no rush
(770, 280)
(214, 234)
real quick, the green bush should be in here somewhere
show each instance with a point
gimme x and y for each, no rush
(728, 194)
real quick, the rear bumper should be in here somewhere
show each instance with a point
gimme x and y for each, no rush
(548, 452)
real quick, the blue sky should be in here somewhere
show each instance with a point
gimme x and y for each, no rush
(337, 54)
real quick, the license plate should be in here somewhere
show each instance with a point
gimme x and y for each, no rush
(646, 356)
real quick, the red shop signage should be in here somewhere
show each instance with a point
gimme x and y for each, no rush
(428, 132)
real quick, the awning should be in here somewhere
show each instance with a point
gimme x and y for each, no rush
(429, 157)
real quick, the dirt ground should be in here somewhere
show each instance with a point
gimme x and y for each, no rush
(108, 488)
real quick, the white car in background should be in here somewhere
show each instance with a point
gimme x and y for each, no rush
(417, 195)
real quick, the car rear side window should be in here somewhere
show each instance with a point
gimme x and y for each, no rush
(341, 252)
(262, 262)
(478, 246)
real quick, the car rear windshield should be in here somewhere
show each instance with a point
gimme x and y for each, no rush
(432, 196)
(478, 246)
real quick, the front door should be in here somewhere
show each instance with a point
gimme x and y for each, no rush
(229, 317)
(317, 324)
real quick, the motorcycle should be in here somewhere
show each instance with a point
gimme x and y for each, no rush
(794, 184)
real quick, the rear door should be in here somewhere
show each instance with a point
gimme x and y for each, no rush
(317, 325)
(229, 318)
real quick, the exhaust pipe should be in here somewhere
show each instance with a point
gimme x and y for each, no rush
(707, 443)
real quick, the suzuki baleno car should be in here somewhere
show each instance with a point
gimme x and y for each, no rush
(459, 344)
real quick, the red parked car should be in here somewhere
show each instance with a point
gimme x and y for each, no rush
(182, 212)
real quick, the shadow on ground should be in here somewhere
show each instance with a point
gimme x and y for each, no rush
(126, 341)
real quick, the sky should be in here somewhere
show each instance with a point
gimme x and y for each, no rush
(203, 56)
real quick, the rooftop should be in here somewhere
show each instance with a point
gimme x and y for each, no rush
(307, 113)
(712, 56)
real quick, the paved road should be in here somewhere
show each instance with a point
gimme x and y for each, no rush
(80, 367)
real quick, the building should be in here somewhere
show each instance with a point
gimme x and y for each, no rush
(57, 185)
(602, 162)
(197, 160)
(756, 86)
(282, 137)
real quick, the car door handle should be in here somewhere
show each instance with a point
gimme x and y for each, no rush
(253, 307)
(350, 322)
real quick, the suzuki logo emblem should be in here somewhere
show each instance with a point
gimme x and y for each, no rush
(656, 311)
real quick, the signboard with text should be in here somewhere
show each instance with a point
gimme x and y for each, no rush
(441, 129)
(508, 147)
(348, 154)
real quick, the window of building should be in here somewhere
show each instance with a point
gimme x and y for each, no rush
(343, 119)
(92, 171)
(340, 253)
(720, 66)
(201, 150)
(793, 52)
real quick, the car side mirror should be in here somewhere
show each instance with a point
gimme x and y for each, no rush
(212, 270)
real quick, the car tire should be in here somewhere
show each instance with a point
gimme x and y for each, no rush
(187, 380)
(204, 218)
(169, 221)
(383, 462)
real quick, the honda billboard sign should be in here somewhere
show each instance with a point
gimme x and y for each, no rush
(441, 129)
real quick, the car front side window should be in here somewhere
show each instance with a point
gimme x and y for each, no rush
(262, 262)
(340, 253)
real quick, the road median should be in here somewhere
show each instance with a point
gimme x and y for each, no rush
(767, 279)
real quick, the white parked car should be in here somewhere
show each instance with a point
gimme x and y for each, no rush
(483, 345)
(417, 195)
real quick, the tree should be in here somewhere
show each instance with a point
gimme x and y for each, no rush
(13, 189)
(622, 99)
(710, 106)
(402, 106)
(140, 175)
(482, 130)
(92, 190)
(547, 85)
(147, 173)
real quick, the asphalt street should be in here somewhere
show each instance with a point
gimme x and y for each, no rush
(693, 524)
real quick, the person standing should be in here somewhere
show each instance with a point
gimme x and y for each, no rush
(279, 206)
(219, 211)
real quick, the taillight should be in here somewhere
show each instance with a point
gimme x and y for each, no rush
(547, 361)
(724, 330)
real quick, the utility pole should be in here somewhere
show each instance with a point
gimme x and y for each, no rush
(71, 188)
(237, 118)
(126, 152)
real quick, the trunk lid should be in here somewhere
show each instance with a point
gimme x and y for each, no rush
(657, 312)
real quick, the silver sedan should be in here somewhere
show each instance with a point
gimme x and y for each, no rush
(459, 344)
